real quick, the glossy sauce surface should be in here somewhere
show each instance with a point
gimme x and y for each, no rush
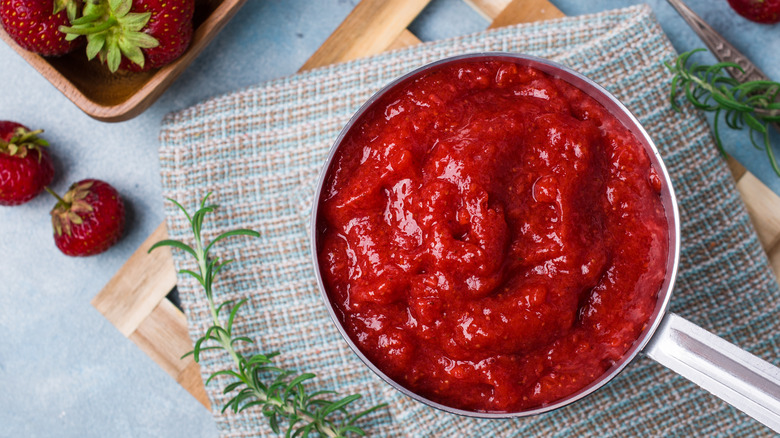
(491, 237)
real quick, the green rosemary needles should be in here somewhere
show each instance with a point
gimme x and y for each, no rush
(753, 104)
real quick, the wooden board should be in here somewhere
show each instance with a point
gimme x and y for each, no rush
(134, 300)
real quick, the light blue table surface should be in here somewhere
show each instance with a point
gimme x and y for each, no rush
(64, 370)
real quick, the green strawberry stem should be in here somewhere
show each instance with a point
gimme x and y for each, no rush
(24, 136)
(59, 198)
(22, 141)
(112, 31)
(73, 31)
(71, 7)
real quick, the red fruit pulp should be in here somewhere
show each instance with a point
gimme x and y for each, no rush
(491, 237)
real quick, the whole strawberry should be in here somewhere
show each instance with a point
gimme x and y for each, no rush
(760, 11)
(89, 219)
(34, 24)
(25, 166)
(135, 35)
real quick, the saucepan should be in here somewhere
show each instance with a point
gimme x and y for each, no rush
(736, 376)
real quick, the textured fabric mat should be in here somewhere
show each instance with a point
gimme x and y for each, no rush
(260, 151)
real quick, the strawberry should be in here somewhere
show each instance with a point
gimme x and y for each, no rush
(136, 35)
(25, 166)
(89, 219)
(34, 24)
(760, 11)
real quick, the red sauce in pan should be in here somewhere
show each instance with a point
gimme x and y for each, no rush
(491, 237)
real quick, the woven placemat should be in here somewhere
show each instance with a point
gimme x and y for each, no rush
(260, 150)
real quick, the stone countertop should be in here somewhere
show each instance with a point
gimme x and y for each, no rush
(64, 369)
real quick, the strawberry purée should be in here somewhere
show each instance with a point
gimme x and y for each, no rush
(491, 237)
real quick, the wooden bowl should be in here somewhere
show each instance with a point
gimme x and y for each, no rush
(123, 95)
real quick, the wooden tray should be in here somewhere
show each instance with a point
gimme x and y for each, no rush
(116, 97)
(135, 299)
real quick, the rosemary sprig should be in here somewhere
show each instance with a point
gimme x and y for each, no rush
(284, 396)
(753, 104)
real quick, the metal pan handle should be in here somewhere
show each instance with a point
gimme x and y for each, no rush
(741, 379)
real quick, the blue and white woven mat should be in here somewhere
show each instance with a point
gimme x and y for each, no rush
(260, 150)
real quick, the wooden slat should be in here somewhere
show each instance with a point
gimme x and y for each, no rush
(368, 30)
(736, 168)
(526, 11)
(138, 286)
(163, 336)
(488, 8)
(764, 208)
(506, 11)
(774, 259)
(405, 39)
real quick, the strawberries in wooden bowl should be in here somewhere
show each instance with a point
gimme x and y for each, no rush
(136, 35)
(166, 51)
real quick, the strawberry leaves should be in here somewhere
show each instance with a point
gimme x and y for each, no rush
(69, 208)
(71, 8)
(113, 31)
(22, 141)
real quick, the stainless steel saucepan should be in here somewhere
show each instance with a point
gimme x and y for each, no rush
(736, 376)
